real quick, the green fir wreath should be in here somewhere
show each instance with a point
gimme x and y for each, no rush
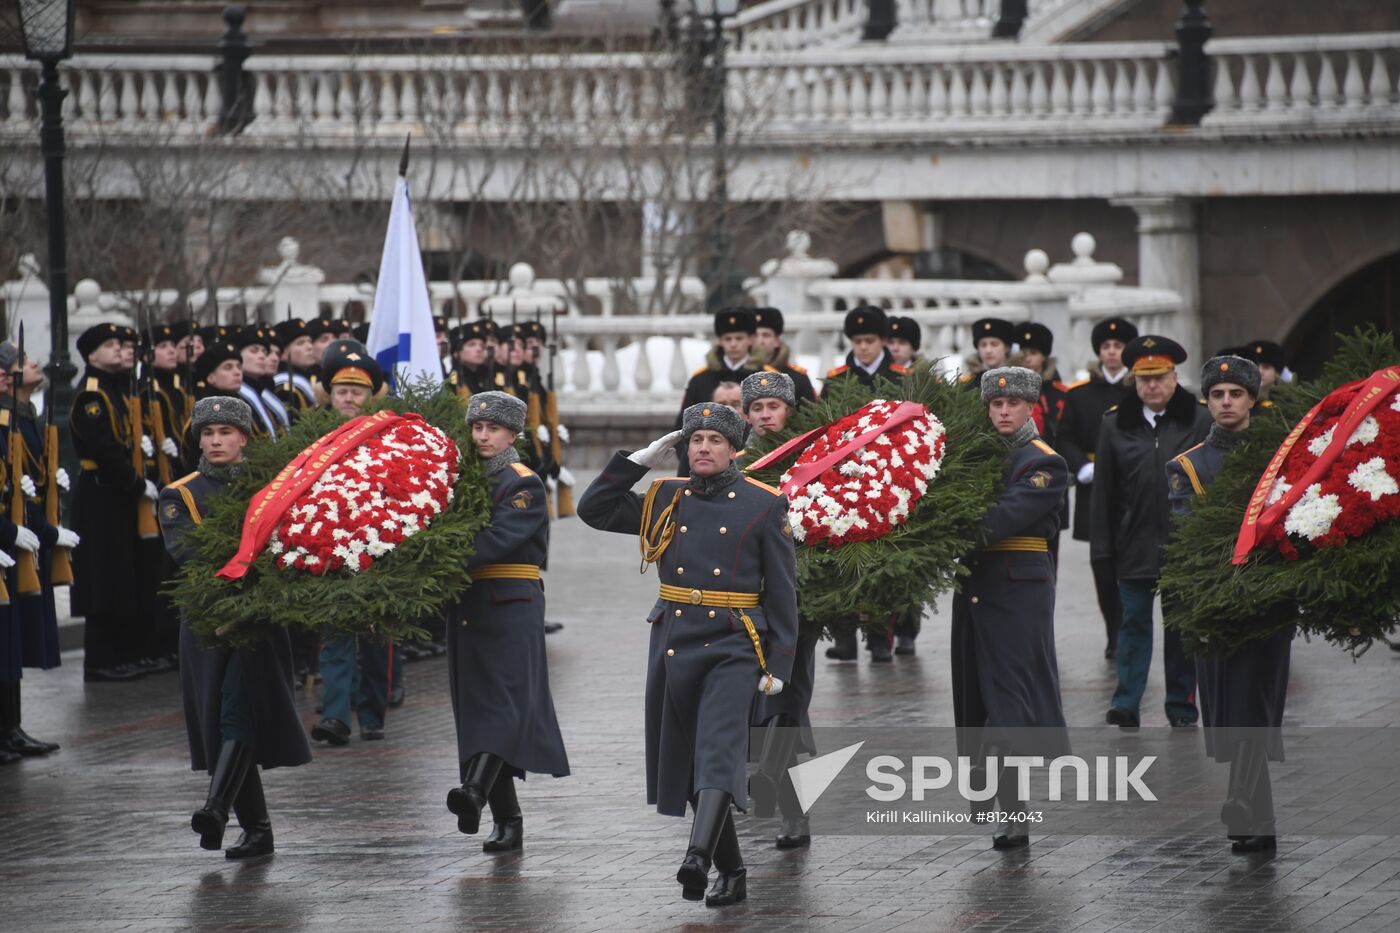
(1347, 595)
(868, 582)
(391, 600)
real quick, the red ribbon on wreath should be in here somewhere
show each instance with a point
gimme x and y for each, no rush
(1257, 519)
(804, 474)
(272, 501)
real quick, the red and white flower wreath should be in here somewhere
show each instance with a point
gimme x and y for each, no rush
(1359, 490)
(369, 502)
(869, 493)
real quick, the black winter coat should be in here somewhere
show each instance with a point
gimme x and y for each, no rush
(1077, 435)
(1131, 513)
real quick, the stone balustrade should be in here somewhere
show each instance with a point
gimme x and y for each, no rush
(993, 91)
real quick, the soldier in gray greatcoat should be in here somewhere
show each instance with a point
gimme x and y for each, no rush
(1242, 693)
(240, 706)
(497, 669)
(1006, 681)
(724, 626)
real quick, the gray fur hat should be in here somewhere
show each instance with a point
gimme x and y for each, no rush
(712, 416)
(1235, 370)
(499, 407)
(222, 409)
(1011, 382)
(767, 385)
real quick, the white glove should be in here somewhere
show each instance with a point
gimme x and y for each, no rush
(552, 485)
(769, 685)
(565, 476)
(151, 491)
(168, 448)
(67, 538)
(1085, 476)
(658, 454)
(26, 540)
(26, 486)
(61, 478)
(147, 448)
(563, 434)
(542, 434)
(6, 561)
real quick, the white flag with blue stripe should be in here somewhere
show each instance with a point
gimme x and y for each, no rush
(401, 335)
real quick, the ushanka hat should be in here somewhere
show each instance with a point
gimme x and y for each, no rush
(1235, 370)
(498, 407)
(766, 385)
(735, 321)
(711, 416)
(1115, 328)
(98, 334)
(999, 328)
(215, 354)
(866, 319)
(1011, 382)
(221, 409)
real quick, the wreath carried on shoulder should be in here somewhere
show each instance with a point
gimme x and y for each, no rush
(373, 543)
(1315, 547)
(887, 487)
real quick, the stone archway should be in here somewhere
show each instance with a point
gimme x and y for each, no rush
(1369, 294)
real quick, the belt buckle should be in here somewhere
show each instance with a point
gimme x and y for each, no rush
(695, 597)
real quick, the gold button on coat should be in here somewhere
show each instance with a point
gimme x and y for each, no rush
(687, 492)
(974, 599)
(712, 613)
(723, 530)
(684, 529)
(680, 570)
(716, 571)
(678, 612)
(670, 652)
(731, 495)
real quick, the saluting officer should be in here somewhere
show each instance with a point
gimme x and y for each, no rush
(866, 327)
(724, 626)
(240, 708)
(769, 399)
(1109, 384)
(108, 494)
(1006, 681)
(498, 671)
(1242, 693)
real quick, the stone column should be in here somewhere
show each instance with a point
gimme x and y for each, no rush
(1169, 256)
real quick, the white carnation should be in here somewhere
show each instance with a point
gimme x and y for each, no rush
(1372, 479)
(1312, 516)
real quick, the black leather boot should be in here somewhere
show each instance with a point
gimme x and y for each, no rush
(251, 807)
(1012, 833)
(229, 771)
(467, 801)
(779, 753)
(508, 832)
(711, 806)
(731, 885)
(1239, 812)
(795, 832)
(843, 648)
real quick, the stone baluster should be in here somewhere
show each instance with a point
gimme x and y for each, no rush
(148, 102)
(1122, 87)
(1300, 89)
(213, 99)
(409, 110)
(858, 103)
(679, 373)
(107, 101)
(388, 98)
(345, 97)
(304, 102)
(1059, 89)
(1275, 91)
(957, 92)
(1100, 91)
(325, 100)
(1164, 92)
(1251, 93)
(1079, 90)
(194, 100)
(170, 95)
(1142, 87)
(1327, 92)
(1224, 90)
(583, 373)
(1379, 91)
(999, 100)
(16, 108)
(282, 96)
(1353, 87)
(130, 99)
(642, 375)
(262, 97)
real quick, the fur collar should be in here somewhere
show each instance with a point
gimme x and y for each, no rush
(1096, 375)
(715, 359)
(1180, 407)
(1049, 372)
(780, 357)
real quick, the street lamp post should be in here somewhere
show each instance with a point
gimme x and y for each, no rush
(47, 29)
(722, 278)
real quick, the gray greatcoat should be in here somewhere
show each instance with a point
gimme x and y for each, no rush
(497, 669)
(702, 670)
(279, 738)
(1006, 681)
(1247, 688)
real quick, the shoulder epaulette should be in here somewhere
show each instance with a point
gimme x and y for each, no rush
(837, 371)
(1043, 447)
(742, 453)
(522, 470)
(1265, 403)
(797, 369)
(702, 369)
(1201, 402)
(750, 479)
(770, 368)
(1113, 408)
(501, 379)
(91, 385)
(4, 417)
(965, 377)
(896, 368)
(182, 480)
(1075, 385)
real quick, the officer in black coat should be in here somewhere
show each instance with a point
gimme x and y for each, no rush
(106, 499)
(777, 355)
(497, 668)
(1132, 518)
(725, 625)
(1242, 693)
(293, 380)
(474, 370)
(1272, 361)
(866, 327)
(729, 360)
(240, 707)
(1077, 439)
(1006, 681)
